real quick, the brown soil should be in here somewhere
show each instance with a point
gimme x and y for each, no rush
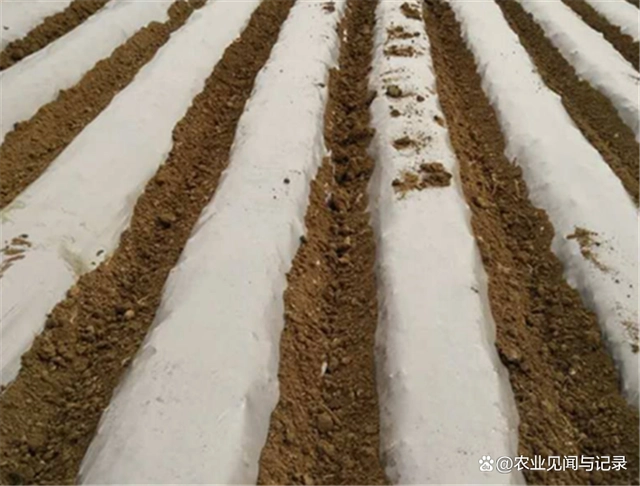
(29, 149)
(623, 43)
(429, 175)
(434, 175)
(325, 428)
(588, 242)
(565, 384)
(408, 181)
(591, 111)
(329, 7)
(634, 2)
(410, 11)
(51, 28)
(400, 51)
(404, 143)
(49, 414)
(398, 32)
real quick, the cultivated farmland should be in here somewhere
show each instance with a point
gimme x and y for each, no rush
(319, 242)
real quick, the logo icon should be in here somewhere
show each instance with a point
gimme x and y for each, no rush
(486, 464)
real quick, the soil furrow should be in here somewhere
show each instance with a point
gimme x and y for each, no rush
(49, 414)
(623, 43)
(51, 28)
(591, 111)
(565, 384)
(29, 149)
(325, 428)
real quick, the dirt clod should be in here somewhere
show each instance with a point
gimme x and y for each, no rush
(435, 175)
(329, 7)
(325, 422)
(166, 220)
(588, 242)
(404, 142)
(398, 32)
(429, 175)
(410, 11)
(400, 51)
(394, 91)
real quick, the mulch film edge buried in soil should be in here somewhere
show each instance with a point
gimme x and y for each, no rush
(325, 428)
(49, 414)
(32, 145)
(565, 384)
(591, 111)
(623, 43)
(51, 28)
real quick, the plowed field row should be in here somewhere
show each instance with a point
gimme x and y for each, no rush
(211, 333)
